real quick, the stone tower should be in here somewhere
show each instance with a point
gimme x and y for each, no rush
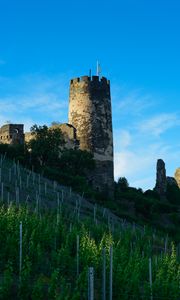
(90, 113)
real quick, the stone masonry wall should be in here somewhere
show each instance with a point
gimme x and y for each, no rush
(177, 176)
(69, 134)
(12, 134)
(90, 113)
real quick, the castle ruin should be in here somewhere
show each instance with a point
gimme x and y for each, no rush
(12, 134)
(90, 113)
(177, 176)
(89, 128)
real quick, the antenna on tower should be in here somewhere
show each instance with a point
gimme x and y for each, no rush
(98, 69)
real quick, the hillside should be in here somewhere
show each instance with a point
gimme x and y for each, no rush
(52, 259)
(63, 234)
(148, 207)
(47, 157)
(23, 186)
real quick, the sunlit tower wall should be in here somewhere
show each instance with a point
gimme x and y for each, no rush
(90, 113)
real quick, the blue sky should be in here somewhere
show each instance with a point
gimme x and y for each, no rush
(45, 43)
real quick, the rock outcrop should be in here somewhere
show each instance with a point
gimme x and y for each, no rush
(171, 181)
(161, 180)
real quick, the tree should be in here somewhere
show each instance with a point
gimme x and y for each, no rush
(123, 183)
(173, 194)
(77, 162)
(46, 145)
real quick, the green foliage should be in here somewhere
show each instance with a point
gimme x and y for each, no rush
(147, 207)
(173, 194)
(18, 152)
(39, 288)
(151, 194)
(7, 283)
(122, 184)
(50, 259)
(77, 162)
(46, 145)
(45, 153)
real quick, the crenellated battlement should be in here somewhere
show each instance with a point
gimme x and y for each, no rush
(93, 79)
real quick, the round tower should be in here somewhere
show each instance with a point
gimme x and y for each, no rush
(90, 113)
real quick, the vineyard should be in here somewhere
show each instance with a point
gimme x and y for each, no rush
(57, 245)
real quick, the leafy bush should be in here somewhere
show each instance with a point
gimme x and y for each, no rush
(49, 264)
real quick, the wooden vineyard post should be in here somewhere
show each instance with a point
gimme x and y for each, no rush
(39, 184)
(104, 274)
(45, 188)
(104, 211)
(91, 283)
(33, 174)
(76, 209)
(54, 186)
(94, 212)
(20, 182)
(37, 203)
(15, 169)
(77, 255)
(27, 181)
(20, 250)
(8, 198)
(78, 213)
(111, 274)
(150, 278)
(166, 244)
(17, 196)
(10, 175)
(58, 209)
(2, 191)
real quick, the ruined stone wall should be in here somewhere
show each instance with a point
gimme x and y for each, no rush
(69, 134)
(90, 113)
(177, 176)
(12, 134)
(28, 136)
